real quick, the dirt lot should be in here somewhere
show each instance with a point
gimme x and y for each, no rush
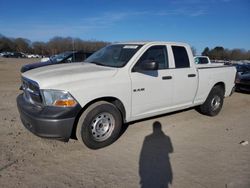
(186, 149)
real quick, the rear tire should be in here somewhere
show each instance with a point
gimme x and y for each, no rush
(214, 102)
(99, 125)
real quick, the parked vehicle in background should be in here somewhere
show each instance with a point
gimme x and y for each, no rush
(21, 55)
(243, 77)
(13, 55)
(44, 59)
(202, 60)
(33, 56)
(4, 53)
(65, 57)
(120, 83)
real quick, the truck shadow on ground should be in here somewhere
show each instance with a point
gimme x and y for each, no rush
(126, 125)
(154, 164)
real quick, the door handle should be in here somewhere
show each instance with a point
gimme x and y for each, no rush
(191, 75)
(167, 77)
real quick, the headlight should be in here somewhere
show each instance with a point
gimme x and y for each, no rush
(58, 98)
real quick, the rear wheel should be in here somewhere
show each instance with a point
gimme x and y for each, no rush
(99, 125)
(213, 104)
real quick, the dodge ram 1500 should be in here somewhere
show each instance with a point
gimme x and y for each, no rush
(120, 83)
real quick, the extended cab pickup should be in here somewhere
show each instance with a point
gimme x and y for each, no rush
(120, 83)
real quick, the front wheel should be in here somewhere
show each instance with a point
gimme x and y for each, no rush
(213, 104)
(99, 125)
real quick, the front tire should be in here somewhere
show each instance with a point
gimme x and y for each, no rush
(214, 102)
(99, 125)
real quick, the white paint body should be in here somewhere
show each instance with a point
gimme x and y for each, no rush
(87, 82)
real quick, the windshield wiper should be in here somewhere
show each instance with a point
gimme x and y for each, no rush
(104, 65)
(97, 63)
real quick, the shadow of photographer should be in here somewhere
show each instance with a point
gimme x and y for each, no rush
(154, 165)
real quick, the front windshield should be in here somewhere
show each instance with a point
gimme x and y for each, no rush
(60, 57)
(116, 55)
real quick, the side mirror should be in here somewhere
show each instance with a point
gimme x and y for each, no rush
(146, 65)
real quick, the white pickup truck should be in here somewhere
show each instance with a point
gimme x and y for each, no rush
(120, 83)
(201, 60)
(204, 61)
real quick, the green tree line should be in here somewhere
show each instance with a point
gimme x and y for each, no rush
(53, 46)
(220, 53)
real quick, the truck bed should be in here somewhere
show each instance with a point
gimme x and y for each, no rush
(209, 75)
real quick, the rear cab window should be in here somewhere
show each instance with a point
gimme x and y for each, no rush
(181, 57)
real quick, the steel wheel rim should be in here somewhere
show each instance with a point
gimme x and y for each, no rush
(102, 126)
(215, 103)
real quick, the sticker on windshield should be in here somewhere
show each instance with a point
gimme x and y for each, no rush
(130, 47)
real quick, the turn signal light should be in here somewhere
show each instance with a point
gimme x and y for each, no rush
(65, 103)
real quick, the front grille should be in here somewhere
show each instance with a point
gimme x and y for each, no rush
(31, 91)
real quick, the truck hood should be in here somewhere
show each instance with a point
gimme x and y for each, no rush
(54, 75)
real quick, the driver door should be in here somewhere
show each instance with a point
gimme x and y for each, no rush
(152, 90)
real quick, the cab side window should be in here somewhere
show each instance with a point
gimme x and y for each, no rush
(180, 57)
(157, 54)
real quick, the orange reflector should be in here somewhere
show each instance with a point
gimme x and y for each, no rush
(65, 103)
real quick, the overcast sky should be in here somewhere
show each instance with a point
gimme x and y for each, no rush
(200, 23)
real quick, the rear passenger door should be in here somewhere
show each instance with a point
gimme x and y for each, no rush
(185, 77)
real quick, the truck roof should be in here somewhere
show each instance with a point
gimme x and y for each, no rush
(153, 42)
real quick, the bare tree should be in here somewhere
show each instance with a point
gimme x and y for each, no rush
(40, 48)
(22, 45)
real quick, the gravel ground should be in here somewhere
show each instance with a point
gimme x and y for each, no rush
(184, 149)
